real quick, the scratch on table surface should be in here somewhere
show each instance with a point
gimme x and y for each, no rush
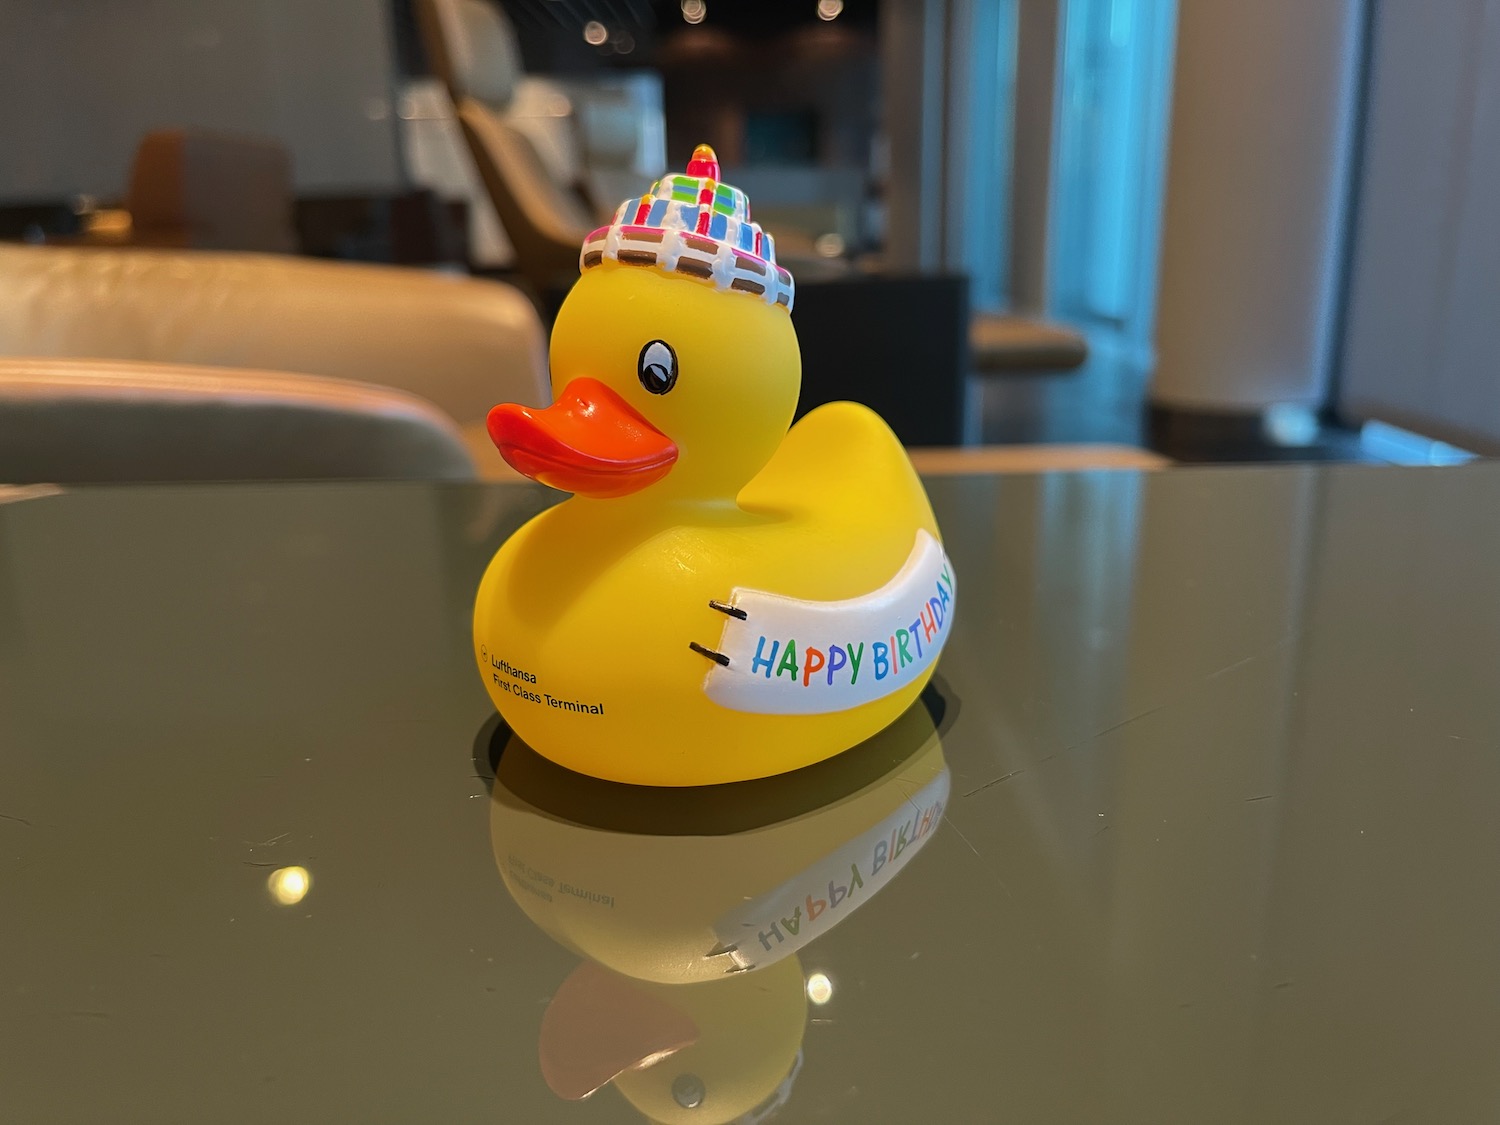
(910, 794)
(1224, 671)
(17, 819)
(1267, 651)
(268, 843)
(968, 844)
(961, 836)
(1123, 723)
(997, 781)
(1262, 797)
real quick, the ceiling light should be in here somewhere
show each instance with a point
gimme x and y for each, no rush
(595, 33)
(830, 9)
(819, 989)
(693, 11)
(829, 245)
(289, 885)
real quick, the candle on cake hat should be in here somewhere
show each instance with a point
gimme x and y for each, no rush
(705, 163)
(695, 224)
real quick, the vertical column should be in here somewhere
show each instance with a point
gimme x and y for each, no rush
(947, 73)
(977, 148)
(1032, 163)
(1421, 336)
(912, 50)
(1263, 123)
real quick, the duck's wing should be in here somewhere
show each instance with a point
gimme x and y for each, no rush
(842, 464)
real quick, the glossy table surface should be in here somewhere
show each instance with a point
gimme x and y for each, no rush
(1202, 825)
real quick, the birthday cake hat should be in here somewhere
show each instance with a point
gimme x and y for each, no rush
(694, 224)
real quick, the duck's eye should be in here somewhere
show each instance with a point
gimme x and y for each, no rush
(658, 367)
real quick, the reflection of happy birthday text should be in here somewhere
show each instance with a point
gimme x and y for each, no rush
(887, 657)
(888, 850)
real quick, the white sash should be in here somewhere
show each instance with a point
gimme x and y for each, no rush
(795, 657)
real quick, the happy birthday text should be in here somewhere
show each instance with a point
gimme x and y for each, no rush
(888, 656)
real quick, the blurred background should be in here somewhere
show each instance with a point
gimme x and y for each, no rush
(1032, 233)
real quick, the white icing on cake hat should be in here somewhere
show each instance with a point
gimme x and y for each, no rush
(695, 225)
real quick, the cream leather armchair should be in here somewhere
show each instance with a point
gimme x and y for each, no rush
(473, 50)
(66, 421)
(460, 343)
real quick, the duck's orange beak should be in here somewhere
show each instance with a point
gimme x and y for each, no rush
(590, 441)
(599, 1025)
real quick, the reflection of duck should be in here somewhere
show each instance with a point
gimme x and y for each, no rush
(696, 1053)
(749, 600)
(691, 905)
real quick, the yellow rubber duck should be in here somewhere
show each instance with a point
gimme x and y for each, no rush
(721, 599)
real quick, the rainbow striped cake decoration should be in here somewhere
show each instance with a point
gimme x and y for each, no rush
(697, 225)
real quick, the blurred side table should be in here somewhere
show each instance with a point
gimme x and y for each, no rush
(897, 343)
(1008, 343)
(906, 346)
